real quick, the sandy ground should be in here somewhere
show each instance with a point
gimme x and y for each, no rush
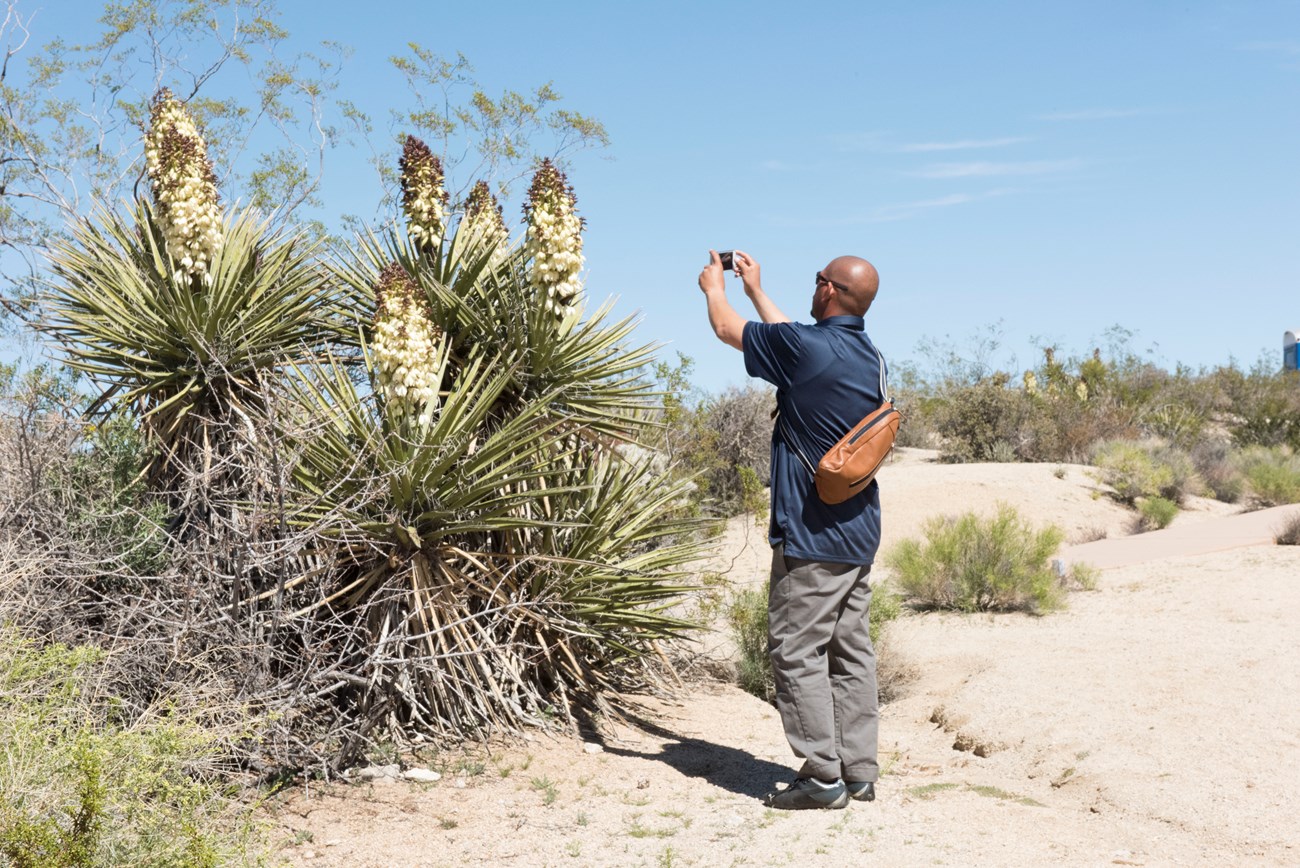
(1154, 722)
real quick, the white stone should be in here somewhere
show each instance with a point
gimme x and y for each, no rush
(422, 776)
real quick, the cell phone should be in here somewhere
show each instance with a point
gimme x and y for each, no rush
(728, 263)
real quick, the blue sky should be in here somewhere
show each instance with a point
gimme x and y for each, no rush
(1046, 169)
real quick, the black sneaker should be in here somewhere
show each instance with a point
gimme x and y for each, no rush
(861, 791)
(809, 793)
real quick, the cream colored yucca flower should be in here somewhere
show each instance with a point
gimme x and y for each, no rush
(554, 240)
(423, 197)
(483, 219)
(184, 187)
(1031, 383)
(405, 345)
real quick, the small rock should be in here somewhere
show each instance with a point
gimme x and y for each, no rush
(376, 773)
(592, 748)
(421, 776)
(309, 854)
(642, 784)
(333, 842)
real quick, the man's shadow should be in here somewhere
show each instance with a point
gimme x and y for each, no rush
(727, 767)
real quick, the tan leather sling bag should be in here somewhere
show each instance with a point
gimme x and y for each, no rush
(848, 467)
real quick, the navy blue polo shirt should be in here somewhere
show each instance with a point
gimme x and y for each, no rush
(827, 377)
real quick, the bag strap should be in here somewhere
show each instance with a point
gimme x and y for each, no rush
(783, 426)
(789, 441)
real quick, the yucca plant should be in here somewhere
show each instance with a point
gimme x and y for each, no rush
(497, 561)
(178, 312)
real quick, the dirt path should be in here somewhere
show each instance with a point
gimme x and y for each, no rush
(1155, 722)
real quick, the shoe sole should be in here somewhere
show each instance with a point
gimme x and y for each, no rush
(841, 801)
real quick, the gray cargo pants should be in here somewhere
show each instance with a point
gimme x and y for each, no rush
(824, 665)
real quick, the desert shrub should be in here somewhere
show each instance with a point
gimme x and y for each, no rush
(1272, 474)
(1263, 404)
(722, 442)
(1218, 471)
(1289, 532)
(1082, 576)
(79, 788)
(747, 617)
(981, 421)
(739, 426)
(1157, 512)
(972, 564)
(1146, 469)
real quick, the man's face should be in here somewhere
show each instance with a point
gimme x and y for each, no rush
(823, 291)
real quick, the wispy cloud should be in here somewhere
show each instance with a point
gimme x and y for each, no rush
(963, 145)
(777, 166)
(989, 169)
(1093, 114)
(1277, 46)
(907, 210)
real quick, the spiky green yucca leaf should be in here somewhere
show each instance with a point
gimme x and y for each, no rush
(479, 294)
(182, 353)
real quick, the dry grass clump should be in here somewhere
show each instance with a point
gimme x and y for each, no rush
(971, 564)
(1289, 533)
(1215, 465)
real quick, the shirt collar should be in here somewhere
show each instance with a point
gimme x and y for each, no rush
(856, 323)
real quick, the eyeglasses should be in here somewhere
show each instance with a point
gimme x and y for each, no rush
(821, 278)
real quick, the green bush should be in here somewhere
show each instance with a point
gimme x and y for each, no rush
(79, 789)
(1272, 474)
(980, 422)
(1263, 405)
(1157, 512)
(747, 616)
(973, 564)
(1146, 469)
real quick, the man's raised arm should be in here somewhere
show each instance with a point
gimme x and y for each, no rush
(728, 325)
(749, 272)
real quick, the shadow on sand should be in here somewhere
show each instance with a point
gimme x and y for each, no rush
(731, 769)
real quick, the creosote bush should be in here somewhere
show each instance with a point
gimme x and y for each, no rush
(1146, 469)
(80, 788)
(1157, 512)
(974, 564)
(1272, 474)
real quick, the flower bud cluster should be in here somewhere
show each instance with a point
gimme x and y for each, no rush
(483, 217)
(554, 239)
(184, 187)
(405, 345)
(423, 198)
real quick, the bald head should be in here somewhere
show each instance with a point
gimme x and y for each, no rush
(853, 287)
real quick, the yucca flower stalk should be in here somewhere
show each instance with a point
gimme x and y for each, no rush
(553, 242)
(483, 221)
(424, 198)
(184, 188)
(406, 346)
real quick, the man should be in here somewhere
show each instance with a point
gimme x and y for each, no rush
(828, 376)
